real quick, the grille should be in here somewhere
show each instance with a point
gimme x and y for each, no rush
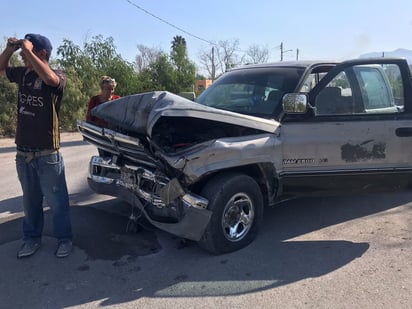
(117, 143)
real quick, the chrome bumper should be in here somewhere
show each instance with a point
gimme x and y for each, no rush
(137, 184)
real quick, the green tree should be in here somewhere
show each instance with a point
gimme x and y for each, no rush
(8, 102)
(73, 59)
(178, 41)
(8, 107)
(127, 79)
(74, 103)
(163, 74)
(84, 67)
(101, 52)
(185, 70)
(174, 72)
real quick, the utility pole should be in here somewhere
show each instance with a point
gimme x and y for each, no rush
(283, 51)
(297, 54)
(213, 64)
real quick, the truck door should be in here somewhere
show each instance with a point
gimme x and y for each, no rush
(358, 133)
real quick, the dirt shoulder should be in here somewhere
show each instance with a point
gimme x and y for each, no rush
(65, 137)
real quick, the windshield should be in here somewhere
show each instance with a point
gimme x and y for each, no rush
(252, 91)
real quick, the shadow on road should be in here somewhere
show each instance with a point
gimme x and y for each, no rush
(109, 263)
(102, 235)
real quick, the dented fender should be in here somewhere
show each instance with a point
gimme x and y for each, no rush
(226, 153)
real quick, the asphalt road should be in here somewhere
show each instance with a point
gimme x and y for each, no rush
(336, 252)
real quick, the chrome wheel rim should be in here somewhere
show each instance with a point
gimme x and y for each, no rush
(237, 218)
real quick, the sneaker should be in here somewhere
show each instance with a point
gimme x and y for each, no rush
(28, 248)
(64, 248)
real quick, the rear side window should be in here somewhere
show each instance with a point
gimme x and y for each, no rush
(362, 89)
(379, 85)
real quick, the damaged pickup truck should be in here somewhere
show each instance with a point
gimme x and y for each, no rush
(260, 134)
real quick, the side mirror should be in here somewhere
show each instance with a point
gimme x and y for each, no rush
(188, 95)
(295, 103)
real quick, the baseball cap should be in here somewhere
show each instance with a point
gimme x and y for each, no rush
(39, 42)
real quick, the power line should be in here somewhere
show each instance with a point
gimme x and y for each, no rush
(170, 24)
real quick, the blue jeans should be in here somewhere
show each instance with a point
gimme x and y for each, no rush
(44, 177)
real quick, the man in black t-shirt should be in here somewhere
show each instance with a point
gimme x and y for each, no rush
(39, 164)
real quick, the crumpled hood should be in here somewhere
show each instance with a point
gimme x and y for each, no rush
(140, 112)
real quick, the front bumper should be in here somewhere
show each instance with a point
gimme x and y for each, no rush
(139, 181)
(129, 187)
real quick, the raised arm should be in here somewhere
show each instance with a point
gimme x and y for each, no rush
(36, 60)
(5, 56)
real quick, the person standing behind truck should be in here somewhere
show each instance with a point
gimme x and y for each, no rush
(39, 164)
(107, 88)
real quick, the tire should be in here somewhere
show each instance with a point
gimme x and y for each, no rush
(236, 203)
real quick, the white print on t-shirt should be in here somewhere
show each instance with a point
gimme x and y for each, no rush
(24, 112)
(37, 83)
(30, 100)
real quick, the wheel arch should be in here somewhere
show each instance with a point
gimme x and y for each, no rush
(263, 173)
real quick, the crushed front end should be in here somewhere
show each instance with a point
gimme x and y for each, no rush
(130, 171)
(161, 149)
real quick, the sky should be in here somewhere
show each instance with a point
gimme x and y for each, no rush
(319, 29)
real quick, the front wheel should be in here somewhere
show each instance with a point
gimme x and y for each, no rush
(236, 203)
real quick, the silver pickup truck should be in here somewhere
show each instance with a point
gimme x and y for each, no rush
(260, 134)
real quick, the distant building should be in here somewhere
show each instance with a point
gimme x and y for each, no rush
(201, 85)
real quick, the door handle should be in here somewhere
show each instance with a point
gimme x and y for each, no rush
(403, 132)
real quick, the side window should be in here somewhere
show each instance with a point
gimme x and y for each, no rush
(311, 81)
(362, 89)
(381, 88)
(336, 98)
(374, 93)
